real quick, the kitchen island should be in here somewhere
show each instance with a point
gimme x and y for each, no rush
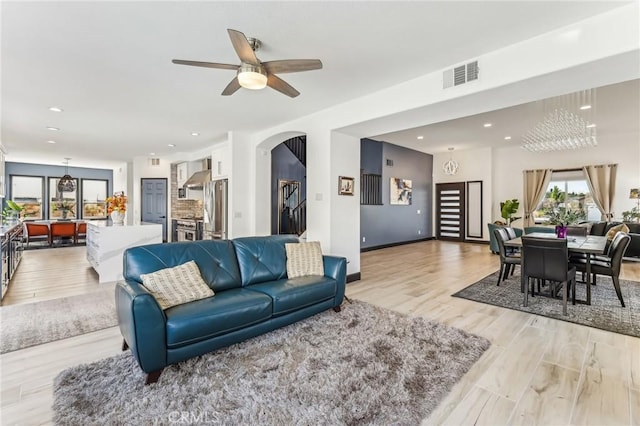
(107, 242)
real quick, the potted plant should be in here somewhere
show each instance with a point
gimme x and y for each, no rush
(508, 209)
(11, 212)
(632, 215)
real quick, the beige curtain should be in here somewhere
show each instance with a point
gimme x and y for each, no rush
(535, 186)
(602, 184)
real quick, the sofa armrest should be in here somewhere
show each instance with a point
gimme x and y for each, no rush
(633, 250)
(142, 323)
(336, 267)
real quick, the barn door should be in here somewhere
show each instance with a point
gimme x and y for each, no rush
(450, 208)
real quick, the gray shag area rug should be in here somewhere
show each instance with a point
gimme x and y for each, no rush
(364, 365)
(605, 311)
(36, 323)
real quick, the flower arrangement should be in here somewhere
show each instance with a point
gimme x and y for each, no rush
(117, 203)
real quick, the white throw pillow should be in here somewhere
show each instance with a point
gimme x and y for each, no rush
(177, 285)
(304, 259)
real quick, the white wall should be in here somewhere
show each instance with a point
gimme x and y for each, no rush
(622, 149)
(142, 168)
(475, 164)
(345, 161)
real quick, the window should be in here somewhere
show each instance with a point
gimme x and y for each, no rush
(567, 200)
(94, 195)
(28, 191)
(62, 205)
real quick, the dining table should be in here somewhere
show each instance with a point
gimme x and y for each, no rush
(589, 245)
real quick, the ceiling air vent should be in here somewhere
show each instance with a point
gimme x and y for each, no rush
(460, 74)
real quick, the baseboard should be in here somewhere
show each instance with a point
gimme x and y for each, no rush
(362, 250)
(477, 241)
(353, 277)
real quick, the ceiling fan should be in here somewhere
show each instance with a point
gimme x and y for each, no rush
(253, 74)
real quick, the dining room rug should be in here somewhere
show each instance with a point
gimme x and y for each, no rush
(605, 311)
(363, 365)
(36, 323)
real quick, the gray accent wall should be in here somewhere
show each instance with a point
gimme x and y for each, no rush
(49, 171)
(392, 224)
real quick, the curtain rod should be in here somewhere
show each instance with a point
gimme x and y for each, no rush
(566, 170)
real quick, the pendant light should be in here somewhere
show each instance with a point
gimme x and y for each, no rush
(66, 182)
(450, 167)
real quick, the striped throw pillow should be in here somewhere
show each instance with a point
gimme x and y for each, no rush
(304, 259)
(177, 285)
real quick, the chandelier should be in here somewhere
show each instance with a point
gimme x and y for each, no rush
(567, 124)
(450, 167)
(66, 182)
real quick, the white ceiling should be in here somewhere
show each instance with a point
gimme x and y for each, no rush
(615, 111)
(108, 65)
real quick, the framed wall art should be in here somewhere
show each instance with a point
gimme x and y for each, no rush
(400, 192)
(345, 185)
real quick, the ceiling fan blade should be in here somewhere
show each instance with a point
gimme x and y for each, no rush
(292, 65)
(205, 64)
(242, 47)
(232, 87)
(281, 86)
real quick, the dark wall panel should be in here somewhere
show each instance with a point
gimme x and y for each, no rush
(390, 224)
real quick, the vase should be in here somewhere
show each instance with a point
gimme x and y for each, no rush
(117, 217)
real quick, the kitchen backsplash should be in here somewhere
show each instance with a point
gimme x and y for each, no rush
(182, 208)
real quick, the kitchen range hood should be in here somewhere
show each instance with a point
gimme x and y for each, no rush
(198, 179)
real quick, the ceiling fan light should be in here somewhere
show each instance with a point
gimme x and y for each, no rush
(252, 77)
(252, 80)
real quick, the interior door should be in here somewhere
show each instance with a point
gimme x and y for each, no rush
(154, 203)
(450, 209)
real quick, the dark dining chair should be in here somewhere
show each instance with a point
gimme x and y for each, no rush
(547, 259)
(37, 232)
(608, 264)
(62, 230)
(576, 231)
(508, 259)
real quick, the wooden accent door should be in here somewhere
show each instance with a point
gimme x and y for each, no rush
(450, 211)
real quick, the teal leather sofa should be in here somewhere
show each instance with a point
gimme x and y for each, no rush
(252, 296)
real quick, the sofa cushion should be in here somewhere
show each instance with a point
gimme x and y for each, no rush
(262, 259)
(295, 293)
(215, 258)
(304, 259)
(177, 285)
(225, 312)
(615, 229)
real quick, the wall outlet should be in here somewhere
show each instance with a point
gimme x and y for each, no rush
(364, 239)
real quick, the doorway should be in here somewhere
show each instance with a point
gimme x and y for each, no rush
(450, 211)
(154, 203)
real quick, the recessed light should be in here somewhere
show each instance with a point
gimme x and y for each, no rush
(487, 124)
(52, 128)
(591, 126)
(171, 145)
(195, 134)
(152, 153)
(51, 142)
(507, 138)
(583, 107)
(55, 109)
(420, 137)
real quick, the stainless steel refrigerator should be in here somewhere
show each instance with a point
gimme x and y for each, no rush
(215, 210)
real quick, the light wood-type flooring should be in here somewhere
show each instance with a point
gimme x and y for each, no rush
(538, 370)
